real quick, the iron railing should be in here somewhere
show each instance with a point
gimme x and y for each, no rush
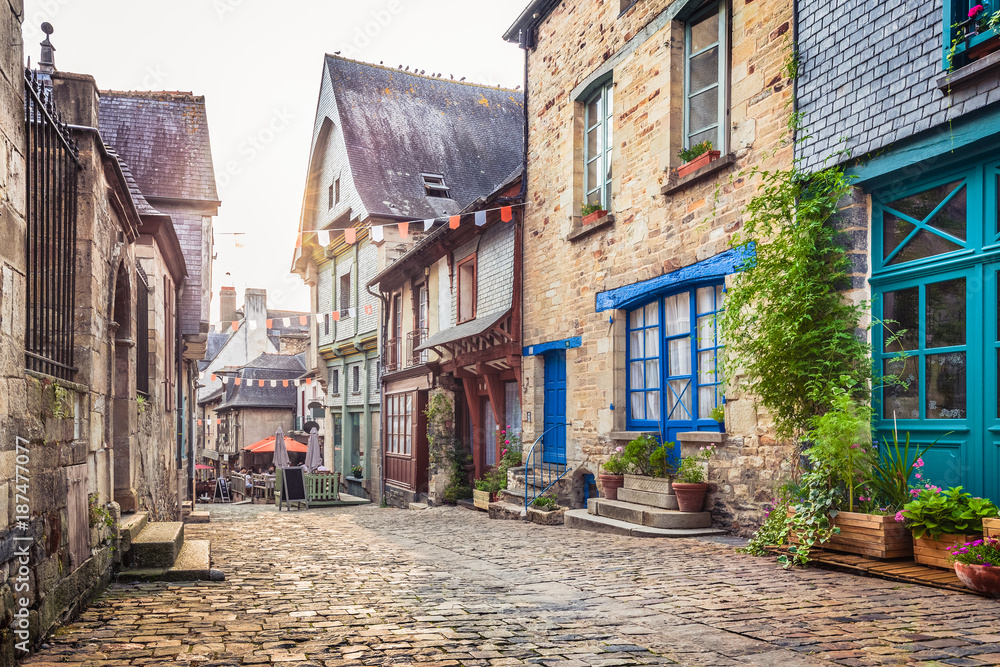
(393, 357)
(414, 339)
(548, 473)
(51, 166)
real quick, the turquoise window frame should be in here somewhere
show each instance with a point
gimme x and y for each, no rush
(956, 11)
(603, 125)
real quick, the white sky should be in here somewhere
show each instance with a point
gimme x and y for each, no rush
(258, 64)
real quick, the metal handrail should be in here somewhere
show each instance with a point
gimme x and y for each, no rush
(528, 461)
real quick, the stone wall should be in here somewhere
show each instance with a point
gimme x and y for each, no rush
(651, 233)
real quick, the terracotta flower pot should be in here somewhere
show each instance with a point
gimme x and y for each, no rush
(697, 163)
(690, 497)
(610, 485)
(593, 217)
(979, 578)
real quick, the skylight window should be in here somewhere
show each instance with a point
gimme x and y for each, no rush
(435, 186)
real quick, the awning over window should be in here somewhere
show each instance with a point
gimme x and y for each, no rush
(473, 328)
(714, 267)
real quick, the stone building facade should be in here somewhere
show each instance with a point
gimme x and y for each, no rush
(619, 333)
(917, 124)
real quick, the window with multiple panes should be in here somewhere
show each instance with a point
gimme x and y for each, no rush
(434, 185)
(966, 30)
(466, 272)
(706, 67)
(345, 291)
(335, 381)
(673, 346)
(356, 380)
(598, 145)
(399, 423)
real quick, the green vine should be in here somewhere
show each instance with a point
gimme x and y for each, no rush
(62, 407)
(446, 449)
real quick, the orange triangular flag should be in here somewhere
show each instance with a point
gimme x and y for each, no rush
(303, 320)
(213, 377)
(453, 221)
(309, 381)
(235, 325)
(199, 422)
(350, 235)
(404, 229)
(237, 381)
(284, 383)
(260, 383)
(269, 323)
(506, 214)
(336, 316)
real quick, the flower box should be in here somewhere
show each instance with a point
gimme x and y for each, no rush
(651, 484)
(481, 499)
(553, 517)
(697, 163)
(927, 551)
(991, 527)
(593, 217)
(871, 535)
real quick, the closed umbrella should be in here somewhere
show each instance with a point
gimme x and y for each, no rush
(280, 453)
(313, 459)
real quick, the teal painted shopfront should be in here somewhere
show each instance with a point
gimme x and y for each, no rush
(935, 250)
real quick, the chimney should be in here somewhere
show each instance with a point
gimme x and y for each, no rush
(47, 61)
(255, 310)
(227, 304)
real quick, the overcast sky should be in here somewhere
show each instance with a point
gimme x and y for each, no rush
(258, 64)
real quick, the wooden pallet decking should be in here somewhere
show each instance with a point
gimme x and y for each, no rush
(895, 570)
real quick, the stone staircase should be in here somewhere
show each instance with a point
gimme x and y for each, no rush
(511, 503)
(157, 551)
(646, 507)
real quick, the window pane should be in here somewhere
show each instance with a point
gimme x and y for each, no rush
(706, 367)
(894, 231)
(902, 402)
(920, 205)
(705, 32)
(706, 299)
(679, 353)
(720, 296)
(652, 405)
(610, 103)
(706, 401)
(594, 112)
(653, 374)
(901, 313)
(652, 342)
(951, 217)
(638, 405)
(706, 331)
(704, 111)
(703, 70)
(677, 312)
(635, 318)
(635, 375)
(593, 170)
(653, 313)
(512, 407)
(924, 244)
(946, 386)
(635, 345)
(945, 313)
(711, 134)
(593, 142)
(679, 399)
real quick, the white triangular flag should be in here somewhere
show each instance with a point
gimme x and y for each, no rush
(274, 383)
(324, 238)
(428, 224)
(480, 218)
(253, 324)
(378, 234)
(351, 312)
(287, 321)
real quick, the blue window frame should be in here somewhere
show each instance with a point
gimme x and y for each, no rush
(968, 34)
(672, 351)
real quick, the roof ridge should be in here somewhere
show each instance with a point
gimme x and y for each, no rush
(423, 76)
(160, 95)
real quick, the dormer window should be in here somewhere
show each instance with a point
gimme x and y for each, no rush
(434, 185)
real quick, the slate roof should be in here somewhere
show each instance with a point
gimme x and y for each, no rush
(246, 396)
(143, 206)
(266, 367)
(164, 138)
(398, 125)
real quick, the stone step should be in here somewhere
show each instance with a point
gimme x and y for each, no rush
(130, 527)
(583, 520)
(158, 545)
(649, 498)
(644, 515)
(193, 563)
(507, 511)
(198, 516)
(417, 506)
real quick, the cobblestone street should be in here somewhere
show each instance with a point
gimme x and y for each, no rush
(447, 586)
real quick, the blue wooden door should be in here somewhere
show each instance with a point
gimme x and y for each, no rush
(554, 442)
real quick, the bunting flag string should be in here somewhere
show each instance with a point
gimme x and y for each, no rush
(258, 382)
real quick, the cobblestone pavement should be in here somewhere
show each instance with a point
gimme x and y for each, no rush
(447, 586)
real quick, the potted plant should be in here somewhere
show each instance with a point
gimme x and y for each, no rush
(940, 519)
(718, 413)
(357, 472)
(696, 157)
(977, 565)
(690, 486)
(592, 213)
(612, 474)
(481, 494)
(991, 527)
(650, 465)
(545, 511)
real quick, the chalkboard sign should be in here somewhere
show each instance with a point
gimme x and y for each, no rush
(221, 492)
(293, 487)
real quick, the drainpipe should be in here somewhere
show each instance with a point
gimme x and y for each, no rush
(525, 40)
(384, 329)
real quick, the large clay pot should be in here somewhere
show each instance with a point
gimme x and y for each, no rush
(610, 485)
(980, 578)
(690, 497)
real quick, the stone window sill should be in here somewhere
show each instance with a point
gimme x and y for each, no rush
(629, 435)
(986, 65)
(580, 230)
(712, 167)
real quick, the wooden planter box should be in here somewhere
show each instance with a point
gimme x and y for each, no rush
(870, 535)
(653, 484)
(935, 552)
(991, 527)
(481, 499)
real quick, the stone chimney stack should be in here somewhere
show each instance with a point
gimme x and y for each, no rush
(255, 311)
(227, 305)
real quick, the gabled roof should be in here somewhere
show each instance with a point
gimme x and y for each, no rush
(398, 125)
(284, 362)
(164, 138)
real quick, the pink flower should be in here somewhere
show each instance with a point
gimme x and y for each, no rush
(899, 516)
(619, 450)
(919, 463)
(975, 10)
(506, 442)
(918, 476)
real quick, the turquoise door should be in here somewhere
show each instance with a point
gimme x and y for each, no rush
(554, 442)
(936, 259)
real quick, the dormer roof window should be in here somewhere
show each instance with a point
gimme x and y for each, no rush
(434, 185)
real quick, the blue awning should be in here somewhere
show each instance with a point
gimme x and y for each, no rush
(719, 266)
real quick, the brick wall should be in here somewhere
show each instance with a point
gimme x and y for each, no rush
(652, 234)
